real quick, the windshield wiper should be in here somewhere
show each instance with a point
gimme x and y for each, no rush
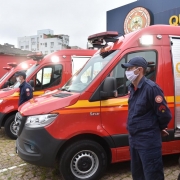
(65, 89)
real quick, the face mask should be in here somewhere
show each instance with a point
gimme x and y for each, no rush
(131, 76)
(18, 79)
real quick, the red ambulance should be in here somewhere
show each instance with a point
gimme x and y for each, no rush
(47, 74)
(9, 79)
(83, 125)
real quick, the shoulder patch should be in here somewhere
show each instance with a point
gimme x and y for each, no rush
(159, 99)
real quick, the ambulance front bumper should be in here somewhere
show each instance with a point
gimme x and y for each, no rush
(37, 146)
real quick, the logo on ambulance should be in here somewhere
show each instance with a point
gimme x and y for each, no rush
(178, 67)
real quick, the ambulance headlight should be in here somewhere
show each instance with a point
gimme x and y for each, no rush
(146, 40)
(40, 120)
(1, 100)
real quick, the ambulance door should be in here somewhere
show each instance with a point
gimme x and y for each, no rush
(175, 52)
(47, 78)
(114, 111)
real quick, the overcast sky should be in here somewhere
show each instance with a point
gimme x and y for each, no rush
(76, 18)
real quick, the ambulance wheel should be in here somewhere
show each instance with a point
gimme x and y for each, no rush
(84, 159)
(9, 127)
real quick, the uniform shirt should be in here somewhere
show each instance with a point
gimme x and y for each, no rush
(26, 92)
(148, 114)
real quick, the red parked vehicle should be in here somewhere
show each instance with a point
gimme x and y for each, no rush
(83, 125)
(6, 58)
(47, 74)
(9, 79)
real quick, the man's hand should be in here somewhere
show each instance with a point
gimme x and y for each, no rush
(164, 132)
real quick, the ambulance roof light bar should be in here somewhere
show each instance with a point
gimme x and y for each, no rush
(7, 68)
(36, 56)
(12, 64)
(101, 39)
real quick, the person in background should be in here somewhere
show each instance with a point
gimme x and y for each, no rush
(26, 90)
(148, 118)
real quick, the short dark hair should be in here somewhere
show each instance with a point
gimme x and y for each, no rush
(20, 73)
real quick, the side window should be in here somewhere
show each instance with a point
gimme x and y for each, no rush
(39, 78)
(119, 73)
(47, 72)
(56, 75)
(150, 57)
(48, 77)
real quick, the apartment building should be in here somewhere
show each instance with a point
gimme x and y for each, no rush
(45, 41)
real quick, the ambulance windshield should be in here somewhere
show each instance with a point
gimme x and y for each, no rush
(93, 67)
(4, 76)
(28, 73)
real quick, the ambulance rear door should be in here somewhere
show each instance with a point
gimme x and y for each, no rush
(175, 50)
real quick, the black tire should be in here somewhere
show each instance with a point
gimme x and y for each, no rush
(178, 177)
(8, 126)
(84, 159)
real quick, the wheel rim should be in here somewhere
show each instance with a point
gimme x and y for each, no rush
(13, 128)
(84, 164)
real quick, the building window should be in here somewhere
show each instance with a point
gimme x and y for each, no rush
(45, 44)
(52, 51)
(27, 46)
(40, 36)
(52, 44)
(41, 43)
(46, 52)
(22, 47)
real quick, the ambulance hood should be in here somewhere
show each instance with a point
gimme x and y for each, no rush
(8, 92)
(48, 102)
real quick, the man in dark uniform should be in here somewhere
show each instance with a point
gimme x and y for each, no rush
(26, 90)
(148, 117)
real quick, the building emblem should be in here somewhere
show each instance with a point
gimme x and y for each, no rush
(136, 19)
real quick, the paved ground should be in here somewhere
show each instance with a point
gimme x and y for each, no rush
(13, 168)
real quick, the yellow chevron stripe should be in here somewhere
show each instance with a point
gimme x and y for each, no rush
(84, 103)
(35, 93)
(170, 99)
(112, 102)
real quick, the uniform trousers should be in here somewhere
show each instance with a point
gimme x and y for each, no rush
(146, 164)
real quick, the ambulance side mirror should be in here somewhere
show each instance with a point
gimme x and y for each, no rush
(109, 88)
(31, 82)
